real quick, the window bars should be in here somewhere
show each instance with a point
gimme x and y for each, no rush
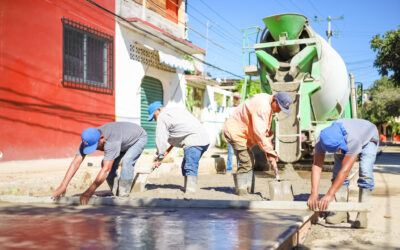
(88, 60)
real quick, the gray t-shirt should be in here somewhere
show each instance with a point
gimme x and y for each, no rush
(118, 137)
(359, 133)
(179, 128)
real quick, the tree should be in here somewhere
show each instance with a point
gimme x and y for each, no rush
(388, 54)
(384, 102)
(253, 87)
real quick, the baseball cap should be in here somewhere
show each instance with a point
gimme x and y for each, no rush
(152, 108)
(332, 138)
(90, 139)
(284, 101)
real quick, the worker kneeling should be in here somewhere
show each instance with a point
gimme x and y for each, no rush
(179, 128)
(347, 139)
(250, 124)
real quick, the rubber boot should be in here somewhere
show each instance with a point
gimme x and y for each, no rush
(250, 181)
(240, 180)
(125, 187)
(190, 184)
(362, 218)
(111, 182)
(341, 195)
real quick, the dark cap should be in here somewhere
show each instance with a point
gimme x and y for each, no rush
(284, 101)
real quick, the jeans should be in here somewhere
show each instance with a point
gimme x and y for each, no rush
(130, 158)
(191, 158)
(229, 161)
(367, 160)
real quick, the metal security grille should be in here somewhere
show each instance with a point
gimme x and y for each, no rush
(87, 58)
(150, 91)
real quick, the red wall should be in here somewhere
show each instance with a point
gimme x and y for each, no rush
(39, 118)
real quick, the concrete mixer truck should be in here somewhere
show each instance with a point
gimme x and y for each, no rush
(290, 56)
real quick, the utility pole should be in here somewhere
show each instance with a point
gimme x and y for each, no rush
(205, 65)
(329, 19)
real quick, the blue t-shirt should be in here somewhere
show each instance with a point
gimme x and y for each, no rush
(359, 133)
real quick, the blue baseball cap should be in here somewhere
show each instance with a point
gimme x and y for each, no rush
(284, 101)
(152, 108)
(90, 139)
(332, 138)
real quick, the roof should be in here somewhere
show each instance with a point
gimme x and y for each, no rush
(199, 80)
(180, 43)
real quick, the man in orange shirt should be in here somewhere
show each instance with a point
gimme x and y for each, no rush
(250, 124)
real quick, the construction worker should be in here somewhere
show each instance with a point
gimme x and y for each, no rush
(229, 112)
(118, 140)
(177, 127)
(347, 139)
(250, 124)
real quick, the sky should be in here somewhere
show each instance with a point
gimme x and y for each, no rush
(363, 19)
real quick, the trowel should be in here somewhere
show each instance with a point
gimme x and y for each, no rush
(280, 190)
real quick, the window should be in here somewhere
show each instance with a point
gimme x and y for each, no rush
(87, 58)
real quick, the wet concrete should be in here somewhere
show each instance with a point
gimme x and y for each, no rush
(119, 227)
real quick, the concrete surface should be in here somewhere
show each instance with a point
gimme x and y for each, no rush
(122, 227)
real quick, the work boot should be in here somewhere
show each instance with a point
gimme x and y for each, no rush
(125, 187)
(190, 184)
(240, 180)
(113, 184)
(362, 219)
(250, 181)
(342, 195)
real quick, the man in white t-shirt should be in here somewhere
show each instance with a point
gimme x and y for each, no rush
(229, 111)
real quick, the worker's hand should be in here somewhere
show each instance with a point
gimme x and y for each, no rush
(324, 202)
(312, 201)
(157, 164)
(274, 165)
(84, 199)
(58, 193)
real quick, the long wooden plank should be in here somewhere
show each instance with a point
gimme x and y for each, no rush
(191, 203)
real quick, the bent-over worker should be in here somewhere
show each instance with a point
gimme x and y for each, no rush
(347, 139)
(118, 140)
(250, 124)
(179, 128)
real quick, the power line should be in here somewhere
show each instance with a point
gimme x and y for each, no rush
(161, 8)
(213, 22)
(149, 33)
(233, 26)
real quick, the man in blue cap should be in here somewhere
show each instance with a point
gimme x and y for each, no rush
(347, 139)
(117, 140)
(177, 127)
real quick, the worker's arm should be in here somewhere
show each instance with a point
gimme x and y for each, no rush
(260, 121)
(347, 164)
(97, 182)
(73, 167)
(315, 178)
(162, 135)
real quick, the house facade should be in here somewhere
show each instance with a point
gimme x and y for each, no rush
(56, 75)
(150, 59)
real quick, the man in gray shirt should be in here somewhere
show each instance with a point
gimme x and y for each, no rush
(117, 140)
(348, 139)
(181, 129)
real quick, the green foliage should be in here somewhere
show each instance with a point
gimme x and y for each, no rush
(384, 104)
(253, 87)
(395, 127)
(222, 143)
(388, 54)
(190, 101)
